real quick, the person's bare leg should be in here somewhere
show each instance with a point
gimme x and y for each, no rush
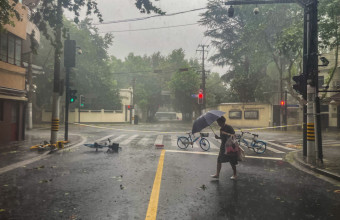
(234, 171)
(218, 170)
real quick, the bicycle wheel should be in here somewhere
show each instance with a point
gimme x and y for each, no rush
(243, 143)
(182, 142)
(204, 144)
(260, 147)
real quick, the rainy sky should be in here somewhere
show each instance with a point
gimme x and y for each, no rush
(150, 41)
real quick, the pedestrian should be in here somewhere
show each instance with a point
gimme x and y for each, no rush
(225, 132)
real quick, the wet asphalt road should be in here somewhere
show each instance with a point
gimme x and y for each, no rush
(80, 183)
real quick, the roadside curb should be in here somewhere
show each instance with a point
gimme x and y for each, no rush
(314, 168)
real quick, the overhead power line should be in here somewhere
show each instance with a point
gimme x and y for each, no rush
(153, 16)
(147, 29)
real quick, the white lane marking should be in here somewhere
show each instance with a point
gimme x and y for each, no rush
(144, 140)
(274, 150)
(215, 154)
(119, 137)
(280, 146)
(127, 141)
(159, 140)
(174, 140)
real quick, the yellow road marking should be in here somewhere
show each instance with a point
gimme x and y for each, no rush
(153, 203)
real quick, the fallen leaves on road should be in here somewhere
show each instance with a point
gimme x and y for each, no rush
(45, 181)
(203, 187)
(337, 191)
(121, 186)
(38, 168)
(2, 210)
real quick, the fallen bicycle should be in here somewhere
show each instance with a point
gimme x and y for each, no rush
(112, 147)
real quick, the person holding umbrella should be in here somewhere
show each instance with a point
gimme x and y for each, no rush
(225, 132)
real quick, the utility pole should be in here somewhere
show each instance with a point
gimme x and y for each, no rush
(203, 76)
(56, 84)
(132, 111)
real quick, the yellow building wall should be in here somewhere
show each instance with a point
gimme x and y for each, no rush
(12, 76)
(264, 120)
(20, 26)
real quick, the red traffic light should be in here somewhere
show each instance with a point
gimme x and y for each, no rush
(200, 96)
(283, 103)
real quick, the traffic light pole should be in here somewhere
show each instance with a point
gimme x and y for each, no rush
(67, 100)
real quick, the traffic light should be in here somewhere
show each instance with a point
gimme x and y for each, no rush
(200, 97)
(300, 84)
(69, 53)
(73, 96)
(130, 107)
(82, 101)
(282, 103)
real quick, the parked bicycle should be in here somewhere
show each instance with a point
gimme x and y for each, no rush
(257, 145)
(183, 142)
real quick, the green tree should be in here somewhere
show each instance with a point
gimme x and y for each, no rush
(215, 90)
(246, 43)
(183, 85)
(329, 31)
(8, 13)
(91, 77)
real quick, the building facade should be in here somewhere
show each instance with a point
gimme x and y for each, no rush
(13, 80)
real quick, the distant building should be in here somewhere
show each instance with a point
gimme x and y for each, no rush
(13, 97)
(330, 106)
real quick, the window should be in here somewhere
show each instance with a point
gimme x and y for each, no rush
(10, 49)
(321, 81)
(251, 114)
(18, 52)
(3, 49)
(235, 114)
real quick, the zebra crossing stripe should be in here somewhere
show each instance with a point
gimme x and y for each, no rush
(103, 138)
(127, 141)
(212, 145)
(173, 140)
(144, 140)
(159, 140)
(119, 137)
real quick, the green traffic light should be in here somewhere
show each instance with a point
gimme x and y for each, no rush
(72, 100)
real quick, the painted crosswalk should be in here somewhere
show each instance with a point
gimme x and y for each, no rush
(170, 142)
(127, 141)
